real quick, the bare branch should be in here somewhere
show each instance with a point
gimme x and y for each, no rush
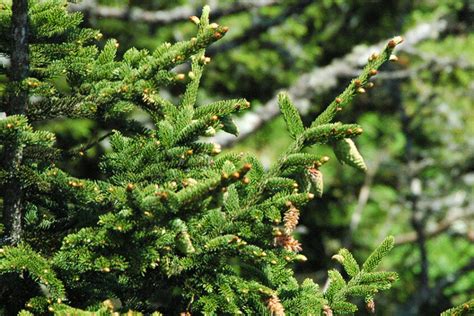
(441, 227)
(136, 14)
(363, 198)
(452, 278)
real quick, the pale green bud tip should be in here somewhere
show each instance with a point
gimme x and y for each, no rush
(338, 258)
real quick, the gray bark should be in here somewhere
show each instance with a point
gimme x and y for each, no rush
(12, 195)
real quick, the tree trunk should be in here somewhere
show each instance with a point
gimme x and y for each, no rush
(12, 205)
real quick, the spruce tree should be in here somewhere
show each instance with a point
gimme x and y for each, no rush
(172, 225)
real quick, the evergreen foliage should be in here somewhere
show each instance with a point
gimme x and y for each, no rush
(463, 309)
(171, 226)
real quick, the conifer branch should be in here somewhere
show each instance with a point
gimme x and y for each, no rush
(23, 259)
(321, 134)
(464, 309)
(364, 282)
(84, 148)
(357, 85)
(322, 79)
(207, 187)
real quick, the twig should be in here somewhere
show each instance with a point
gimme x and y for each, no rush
(441, 227)
(85, 147)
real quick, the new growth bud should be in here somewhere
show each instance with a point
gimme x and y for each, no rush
(216, 149)
(395, 41)
(301, 258)
(338, 258)
(370, 306)
(373, 56)
(247, 167)
(205, 60)
(194, 19)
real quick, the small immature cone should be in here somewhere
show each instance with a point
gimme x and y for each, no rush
(291, 219)
(317, 182)
(274, 306)
(184, 244)
(346, 152)
(112, 304)
(327, 311)
(370, 306)
(287, 242)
